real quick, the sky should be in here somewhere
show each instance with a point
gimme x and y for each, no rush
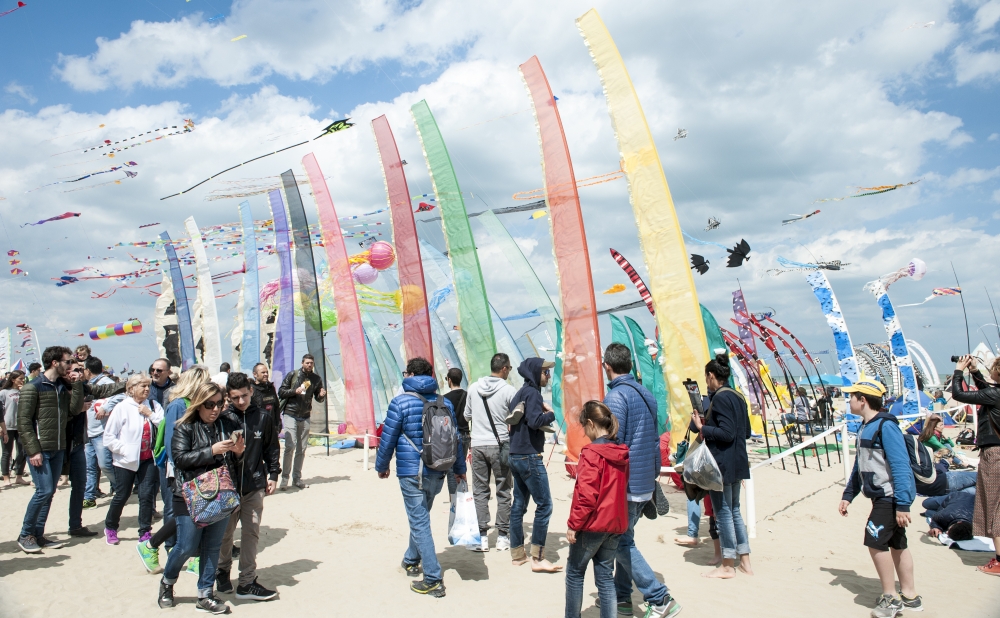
(784, 104)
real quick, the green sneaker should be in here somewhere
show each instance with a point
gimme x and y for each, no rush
(90, 504)
(150, 556)
(192, 566)
(625, 608)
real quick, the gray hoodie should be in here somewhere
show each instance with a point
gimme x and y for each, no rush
(498, 393)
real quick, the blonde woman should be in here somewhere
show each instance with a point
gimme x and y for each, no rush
(178, 399)
(130, 435)
(202, 441)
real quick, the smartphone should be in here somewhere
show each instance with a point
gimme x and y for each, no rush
(694, 392)
(236, 435)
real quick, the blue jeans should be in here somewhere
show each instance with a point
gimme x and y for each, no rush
(694, 518)
(732, 530)
(418, 503)
(599, 547)
(98, 461)
(78, 483)
(630, 566)
(194, 541)
(168, 504)
(962, 481)
(45, 477)
(530, 481)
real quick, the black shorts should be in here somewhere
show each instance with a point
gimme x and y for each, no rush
(881, 531)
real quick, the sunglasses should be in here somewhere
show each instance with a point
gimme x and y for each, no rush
(211, 405)
(157, 370)
(545, 372)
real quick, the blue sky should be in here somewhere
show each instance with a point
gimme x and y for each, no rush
(784, 104)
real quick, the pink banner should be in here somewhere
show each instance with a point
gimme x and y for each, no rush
(582, 377)
(416, 321)
(358, 405)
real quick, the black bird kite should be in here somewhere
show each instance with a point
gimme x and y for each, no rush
(699, 263)
(738, 253)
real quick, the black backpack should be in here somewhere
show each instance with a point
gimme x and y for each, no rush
(440, 447)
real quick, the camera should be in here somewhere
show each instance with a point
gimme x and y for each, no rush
(955, 359)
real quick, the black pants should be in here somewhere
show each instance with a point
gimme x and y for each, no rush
(8, 449)
(149, 481)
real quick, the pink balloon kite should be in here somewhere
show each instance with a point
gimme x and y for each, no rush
(382, 255)
(365, 274)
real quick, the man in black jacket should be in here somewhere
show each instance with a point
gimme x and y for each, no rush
(264, 395)
(298, 389)
(256, 475)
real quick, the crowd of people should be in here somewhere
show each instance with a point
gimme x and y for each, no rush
(208, 446)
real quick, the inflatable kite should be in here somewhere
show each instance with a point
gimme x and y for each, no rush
(636, 280)
(65, 215)
(116, 330)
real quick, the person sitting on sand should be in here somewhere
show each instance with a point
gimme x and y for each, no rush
(951, 514)
(882, 473)
(403, 435)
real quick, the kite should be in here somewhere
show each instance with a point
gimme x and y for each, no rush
(424, 207)
(148, 225)
(21, 5)
(615, 289)
(14, 262)
(538, 214)
(703, 242)
(793, 266)
(13, 252)
(108, 171)
(712, 224)
(913, 25)
(916, 270)
(333, 127)
(737, 254)
(799, 217)
(636, 280)
(865, 191)
(934, 294)
(65, 215)
(114, 147)
(681, 134)
(535, 194)
(699, 263)
(130, 327)
(242, 36)
(219, 16)
(65, 280)
(18, 271)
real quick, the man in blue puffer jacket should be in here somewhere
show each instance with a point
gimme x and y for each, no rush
(635, 408)
(405, 418)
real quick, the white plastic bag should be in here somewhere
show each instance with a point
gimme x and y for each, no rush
(700, 469)
(464, 528)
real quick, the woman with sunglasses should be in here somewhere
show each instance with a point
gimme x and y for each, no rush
(130, 435)
(201, 441)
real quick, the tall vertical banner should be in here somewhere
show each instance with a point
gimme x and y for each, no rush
(5, 350)
(416, 321)
(743, 320)
(358, 404)
(180, 304)
(165, 323)
(582, 376)
(897, 343)
(250, 344)
(649, 378)
(670, 281)
(283, 350)
(473, 309)
(210, 316)
(620, 334)
(835, 320)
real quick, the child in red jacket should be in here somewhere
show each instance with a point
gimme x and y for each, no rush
(599, 514)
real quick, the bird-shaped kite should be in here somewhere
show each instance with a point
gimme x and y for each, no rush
(424, 207)
(712, 224)
(738, 253)
(681, 134)
(799, 217)
(699, 263)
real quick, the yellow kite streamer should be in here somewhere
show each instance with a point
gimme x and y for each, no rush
(615, 289)
(678, 314)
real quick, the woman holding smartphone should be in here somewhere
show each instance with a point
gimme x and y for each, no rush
(202, 441)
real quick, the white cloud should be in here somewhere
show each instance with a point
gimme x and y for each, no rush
(972, 65)
(23, 92)
(987, 15)
(996, 198)
(969, 176)
(993, 137)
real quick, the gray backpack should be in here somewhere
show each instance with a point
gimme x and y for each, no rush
(440, 446)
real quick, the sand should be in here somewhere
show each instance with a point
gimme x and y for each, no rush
(335, 548)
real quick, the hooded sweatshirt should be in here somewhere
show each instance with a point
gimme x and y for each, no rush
(882, 466)
(527, 438)
(599, 502)
(498, 394)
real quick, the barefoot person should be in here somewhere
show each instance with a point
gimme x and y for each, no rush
(882, 473)
(531, 481)
(635, 408)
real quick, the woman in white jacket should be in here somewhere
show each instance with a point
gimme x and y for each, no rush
(130, 436)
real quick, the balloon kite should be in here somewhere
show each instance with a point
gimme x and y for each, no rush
(65, 215)
(381, 255)
(116, 330)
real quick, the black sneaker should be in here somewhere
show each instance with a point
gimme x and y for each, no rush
(166, 596)
(45, 543)
(28, 544)
(625, 608)
(211, 605)
(255, 592)
(911, 605)
(83, 531)
(236, 551)
(434, 589)
(413, 570)
(222, 583)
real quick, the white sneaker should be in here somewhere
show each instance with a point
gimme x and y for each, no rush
(503, 543)
(484, 546)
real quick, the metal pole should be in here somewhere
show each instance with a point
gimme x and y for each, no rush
(968, 338)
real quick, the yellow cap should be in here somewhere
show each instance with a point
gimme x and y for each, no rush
(866, 387)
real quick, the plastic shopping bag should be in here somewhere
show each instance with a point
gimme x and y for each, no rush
(464, 529)
(700, 469)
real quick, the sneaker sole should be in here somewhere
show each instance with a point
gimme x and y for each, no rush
(437, 593)
(250, 597)
(208, 611)
(30, 551)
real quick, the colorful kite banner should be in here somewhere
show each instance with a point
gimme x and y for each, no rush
(250, 343)
(935, 293)
(835, 319)
(283, 351)
(65, 215)
(184, 325)
(206, 298)
(897, 343)
(116, 330)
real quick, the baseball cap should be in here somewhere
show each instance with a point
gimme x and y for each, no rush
(548, 364)
(866, 387)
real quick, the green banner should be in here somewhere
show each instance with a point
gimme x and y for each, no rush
(716, 344)
(557, 379)
(473, 309)
(619, 334)
(649, 370)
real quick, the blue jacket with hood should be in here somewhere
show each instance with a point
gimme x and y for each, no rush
(527, 438)
(882, 465)
(406, 416)
(635, 408)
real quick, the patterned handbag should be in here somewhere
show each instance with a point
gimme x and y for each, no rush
(211, 497)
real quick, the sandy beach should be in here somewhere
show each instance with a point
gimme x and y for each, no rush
(335, 548)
